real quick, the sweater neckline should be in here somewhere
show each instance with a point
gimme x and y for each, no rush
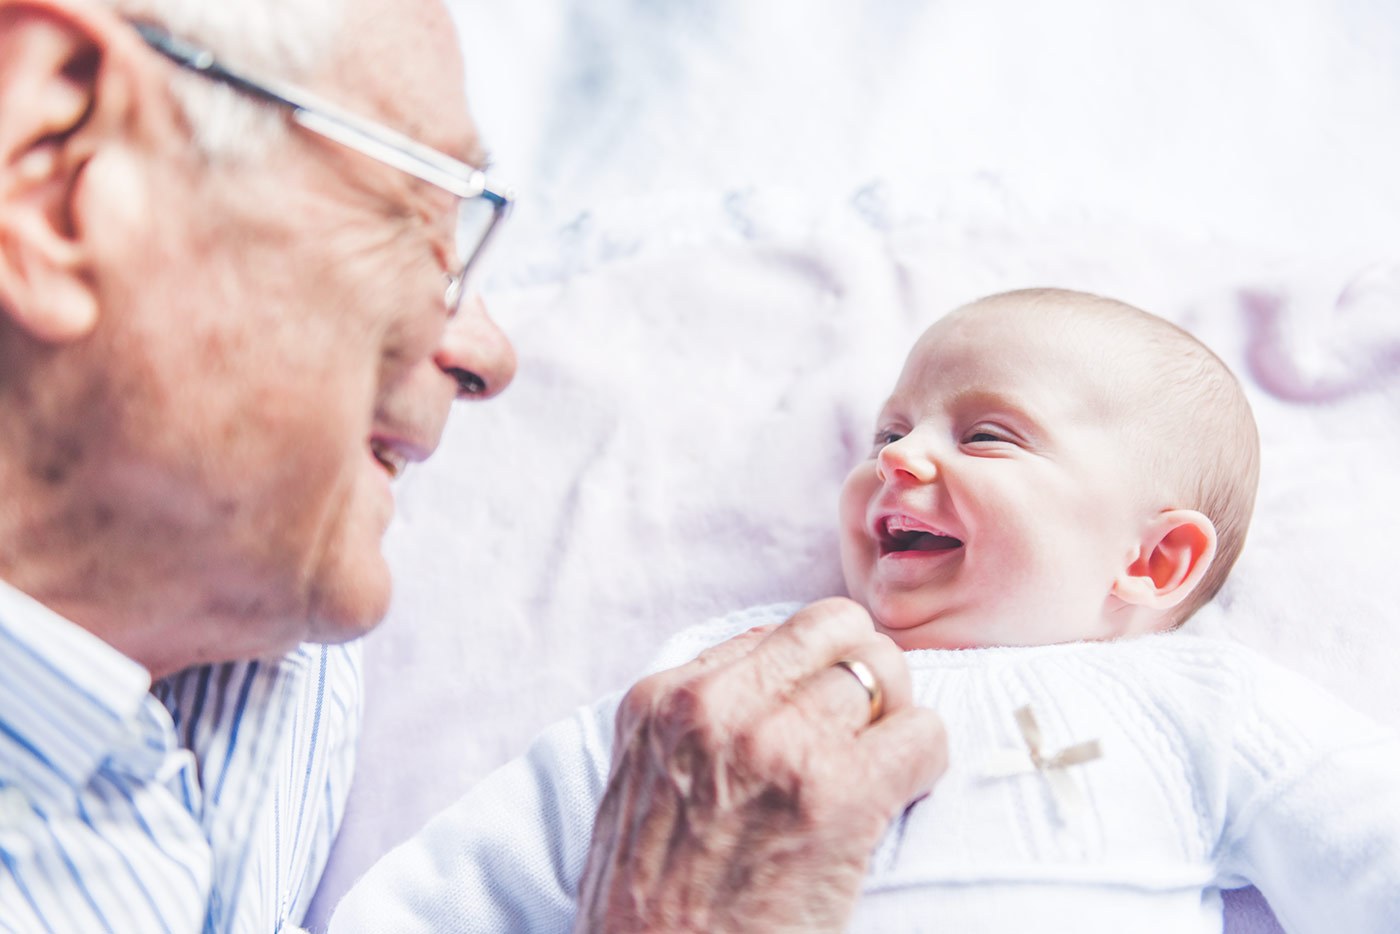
(1000, 655)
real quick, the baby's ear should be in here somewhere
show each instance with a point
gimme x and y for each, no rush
(1176, 549)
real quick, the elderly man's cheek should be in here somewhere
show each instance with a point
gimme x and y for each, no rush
(407, 346)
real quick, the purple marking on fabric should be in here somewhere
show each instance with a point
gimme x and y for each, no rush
(1276, 370)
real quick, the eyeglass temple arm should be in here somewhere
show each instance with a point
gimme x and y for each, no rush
(332, 122)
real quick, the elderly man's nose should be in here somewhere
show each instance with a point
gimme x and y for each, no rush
(476, 353)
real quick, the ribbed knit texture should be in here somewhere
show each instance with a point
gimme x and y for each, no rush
(1218, 769)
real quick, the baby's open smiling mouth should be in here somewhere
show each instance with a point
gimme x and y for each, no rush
(897, 535)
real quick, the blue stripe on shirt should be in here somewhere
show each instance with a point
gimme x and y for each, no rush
(12, 868)
(43, 663)
(133, 847)
(30, 748)
(233, 727)
(81, 884)
(131, 870)
(198, 710)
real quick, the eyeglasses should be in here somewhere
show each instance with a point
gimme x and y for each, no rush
(481, 205)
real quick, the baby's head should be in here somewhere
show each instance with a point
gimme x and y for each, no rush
(1052, 466)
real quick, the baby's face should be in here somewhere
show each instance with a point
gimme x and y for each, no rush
(1000, 499)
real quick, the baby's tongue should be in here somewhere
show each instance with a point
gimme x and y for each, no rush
(927, 541)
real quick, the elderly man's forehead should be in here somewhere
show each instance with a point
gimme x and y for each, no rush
(399, 61)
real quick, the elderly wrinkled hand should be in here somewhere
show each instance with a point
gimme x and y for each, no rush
(750, 786)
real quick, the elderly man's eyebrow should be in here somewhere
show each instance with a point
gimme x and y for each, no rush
(466, 147)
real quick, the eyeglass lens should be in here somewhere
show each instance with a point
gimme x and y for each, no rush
(476, 220)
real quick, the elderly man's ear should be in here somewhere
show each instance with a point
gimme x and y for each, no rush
(60, 101)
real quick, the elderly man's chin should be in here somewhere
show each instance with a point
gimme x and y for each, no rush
(351, 587)
(351, 597)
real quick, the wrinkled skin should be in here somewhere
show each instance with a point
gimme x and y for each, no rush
(200, 357)
(197, 362)
(748, 789)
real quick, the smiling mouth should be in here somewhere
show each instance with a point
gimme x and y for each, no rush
(898, 534)
(393, 463)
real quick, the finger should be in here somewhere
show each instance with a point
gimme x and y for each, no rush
(716, 656)
(733, 648)
(905, 752)
(814, 638)
(835, 699)
(676, 689)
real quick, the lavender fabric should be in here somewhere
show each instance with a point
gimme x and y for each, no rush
(736, 217)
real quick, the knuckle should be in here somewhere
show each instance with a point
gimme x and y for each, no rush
(678, 734)
(716, 656)
(834, 619)
(843, 614)
(889, 662)
(633, 712)
(886, 654)
(640, 699)
(693, 709)
(805, 629)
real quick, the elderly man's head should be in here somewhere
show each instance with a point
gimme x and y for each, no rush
(220, 334)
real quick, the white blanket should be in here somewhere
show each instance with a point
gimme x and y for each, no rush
(737, 214)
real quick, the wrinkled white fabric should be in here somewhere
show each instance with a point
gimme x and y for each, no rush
(1218, 769)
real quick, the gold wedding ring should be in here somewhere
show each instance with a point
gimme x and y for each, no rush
(862, 673)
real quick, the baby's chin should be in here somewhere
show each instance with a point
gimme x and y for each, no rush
(913, 627)
(932, 637)
(963, 631)
(912, 623)
(922, 632)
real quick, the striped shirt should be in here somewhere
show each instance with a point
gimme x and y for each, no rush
(205, 803)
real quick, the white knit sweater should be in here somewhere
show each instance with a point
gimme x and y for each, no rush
(1218, 769)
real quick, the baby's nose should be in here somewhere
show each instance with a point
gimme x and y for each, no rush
(907, 461)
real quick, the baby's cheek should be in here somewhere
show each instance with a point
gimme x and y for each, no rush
(857, 550)
(856, 493)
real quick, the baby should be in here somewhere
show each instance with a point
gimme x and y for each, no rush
(1056, 483)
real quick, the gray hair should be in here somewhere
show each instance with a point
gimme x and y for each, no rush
(285, 39)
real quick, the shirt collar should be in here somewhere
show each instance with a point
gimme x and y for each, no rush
(68, 700)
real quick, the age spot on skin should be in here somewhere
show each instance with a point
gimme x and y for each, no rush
(52, 463)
